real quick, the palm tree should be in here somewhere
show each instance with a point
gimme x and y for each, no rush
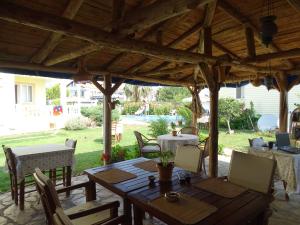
(135, 92)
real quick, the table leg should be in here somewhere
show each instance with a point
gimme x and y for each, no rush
(138, 215)
(22, 193)
(54, 176)
(91, 192)
(127, 211)
(68, 180)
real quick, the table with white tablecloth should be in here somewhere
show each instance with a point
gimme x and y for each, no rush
(288, 166)
(45, 157)
(169, 142)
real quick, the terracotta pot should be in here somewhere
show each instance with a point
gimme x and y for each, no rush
(174, 132)
(165, 173)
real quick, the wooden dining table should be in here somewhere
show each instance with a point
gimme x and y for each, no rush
(124, 188)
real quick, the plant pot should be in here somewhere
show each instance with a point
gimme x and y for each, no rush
(112, 105)
(174, 132)
(165, 173)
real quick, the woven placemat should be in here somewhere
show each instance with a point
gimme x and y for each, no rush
(221, 187)
(114, 176)
(149, 165)
(187, 210)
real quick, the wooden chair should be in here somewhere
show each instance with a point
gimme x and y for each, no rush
(88, 213)
(189, 130)
(17, 186)
(204, 146)
(188, 157)
(60, 218)
(145, 146)
(252, 171)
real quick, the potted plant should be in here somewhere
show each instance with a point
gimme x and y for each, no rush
(165, 166)
(173, 126)
(114, 103)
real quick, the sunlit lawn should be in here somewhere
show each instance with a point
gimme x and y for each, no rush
(90, 144)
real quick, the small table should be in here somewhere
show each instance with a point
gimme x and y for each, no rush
(124, 188)
(169, 142)
(44, 157)
(233, 211)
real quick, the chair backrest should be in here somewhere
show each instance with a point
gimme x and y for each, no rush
(206, 148)
(139, 139)
(188, 157)
(251, 171)
(189, 130)
(282, 139)
(47, 193)
(71, 143)
(60, 218)
(10, 160)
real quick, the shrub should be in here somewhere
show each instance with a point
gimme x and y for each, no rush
(186, 114)
(115, 115)
(93, 112)
(77, 123)
(161, 108)
(130, 108)
(158, 127)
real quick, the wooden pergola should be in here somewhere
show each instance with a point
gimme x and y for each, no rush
(192, 43)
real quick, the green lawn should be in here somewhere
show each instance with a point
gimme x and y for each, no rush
(90, 144)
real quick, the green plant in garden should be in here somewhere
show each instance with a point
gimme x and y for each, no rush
(165, 158)
(172, 94)
(53, 92)
(77, 123)
(158, 127)
(129, 108)
(93, 112)
(186, 114)
(173, 125)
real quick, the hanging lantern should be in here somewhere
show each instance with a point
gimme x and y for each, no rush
(256, 82)
(268, 29)
(82, 74)
(268, 81)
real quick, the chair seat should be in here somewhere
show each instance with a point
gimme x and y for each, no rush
(151, 148)
(90, 219)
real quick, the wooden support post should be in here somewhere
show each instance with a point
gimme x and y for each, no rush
(282, 84)
(107, 117)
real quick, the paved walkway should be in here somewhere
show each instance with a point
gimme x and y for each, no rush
(284, 213)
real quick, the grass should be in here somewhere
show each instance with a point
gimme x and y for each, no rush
(90, 144)
(88, 150)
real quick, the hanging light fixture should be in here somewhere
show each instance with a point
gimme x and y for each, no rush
(268, 27)
(268, 80)
(82, 74)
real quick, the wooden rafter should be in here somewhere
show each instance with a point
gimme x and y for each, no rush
(251, 52)
(22, 15)
(55, 38)
(137, 20)
(238, 17)
(295, 4)
(117, 14)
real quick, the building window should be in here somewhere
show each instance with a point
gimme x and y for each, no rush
(23, 93)
(240, 93)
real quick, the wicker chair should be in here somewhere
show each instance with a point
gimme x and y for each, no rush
(189, 130)
(145, 146)
(88, 213)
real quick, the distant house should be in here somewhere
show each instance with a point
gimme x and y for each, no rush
(265, 102)
(23, 103)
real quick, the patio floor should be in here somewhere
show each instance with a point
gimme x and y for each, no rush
(284, 212)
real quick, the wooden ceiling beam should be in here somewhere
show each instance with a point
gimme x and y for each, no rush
(136, 20)
(55, 38)
(239, 18)
(117, 14)
(295, 4)
(93, 72)
(22, 15)
(167, 71)
(251, 52)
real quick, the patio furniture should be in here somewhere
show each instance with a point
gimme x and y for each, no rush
(248, 206)
(189, 130)
(251, 171)
(169, 142)
(124, 188)
(204, 146)
(145, 144)
(17, 186)
(89, 213)
(46, 157)
(60, 218)
(188, 157)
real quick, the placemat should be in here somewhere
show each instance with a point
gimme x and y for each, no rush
(149, 165)
(187, 210)
(114, 176)
(221, 187)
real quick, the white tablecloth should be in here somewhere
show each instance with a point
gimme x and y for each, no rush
(288, 167)
(169, 142)
(45, 157)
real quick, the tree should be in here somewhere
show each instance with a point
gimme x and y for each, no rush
(135, 92)
(174, 94)
(229, 108)
(53, 92)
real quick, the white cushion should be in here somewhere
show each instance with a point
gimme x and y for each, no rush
(257, 142)
(188, 158)
(151, 148)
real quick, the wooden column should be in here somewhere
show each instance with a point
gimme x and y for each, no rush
(107, 117)
(107, 91)
(283, 88)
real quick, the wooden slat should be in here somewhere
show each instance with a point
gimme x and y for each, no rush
(55, 38)
(250, 42)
